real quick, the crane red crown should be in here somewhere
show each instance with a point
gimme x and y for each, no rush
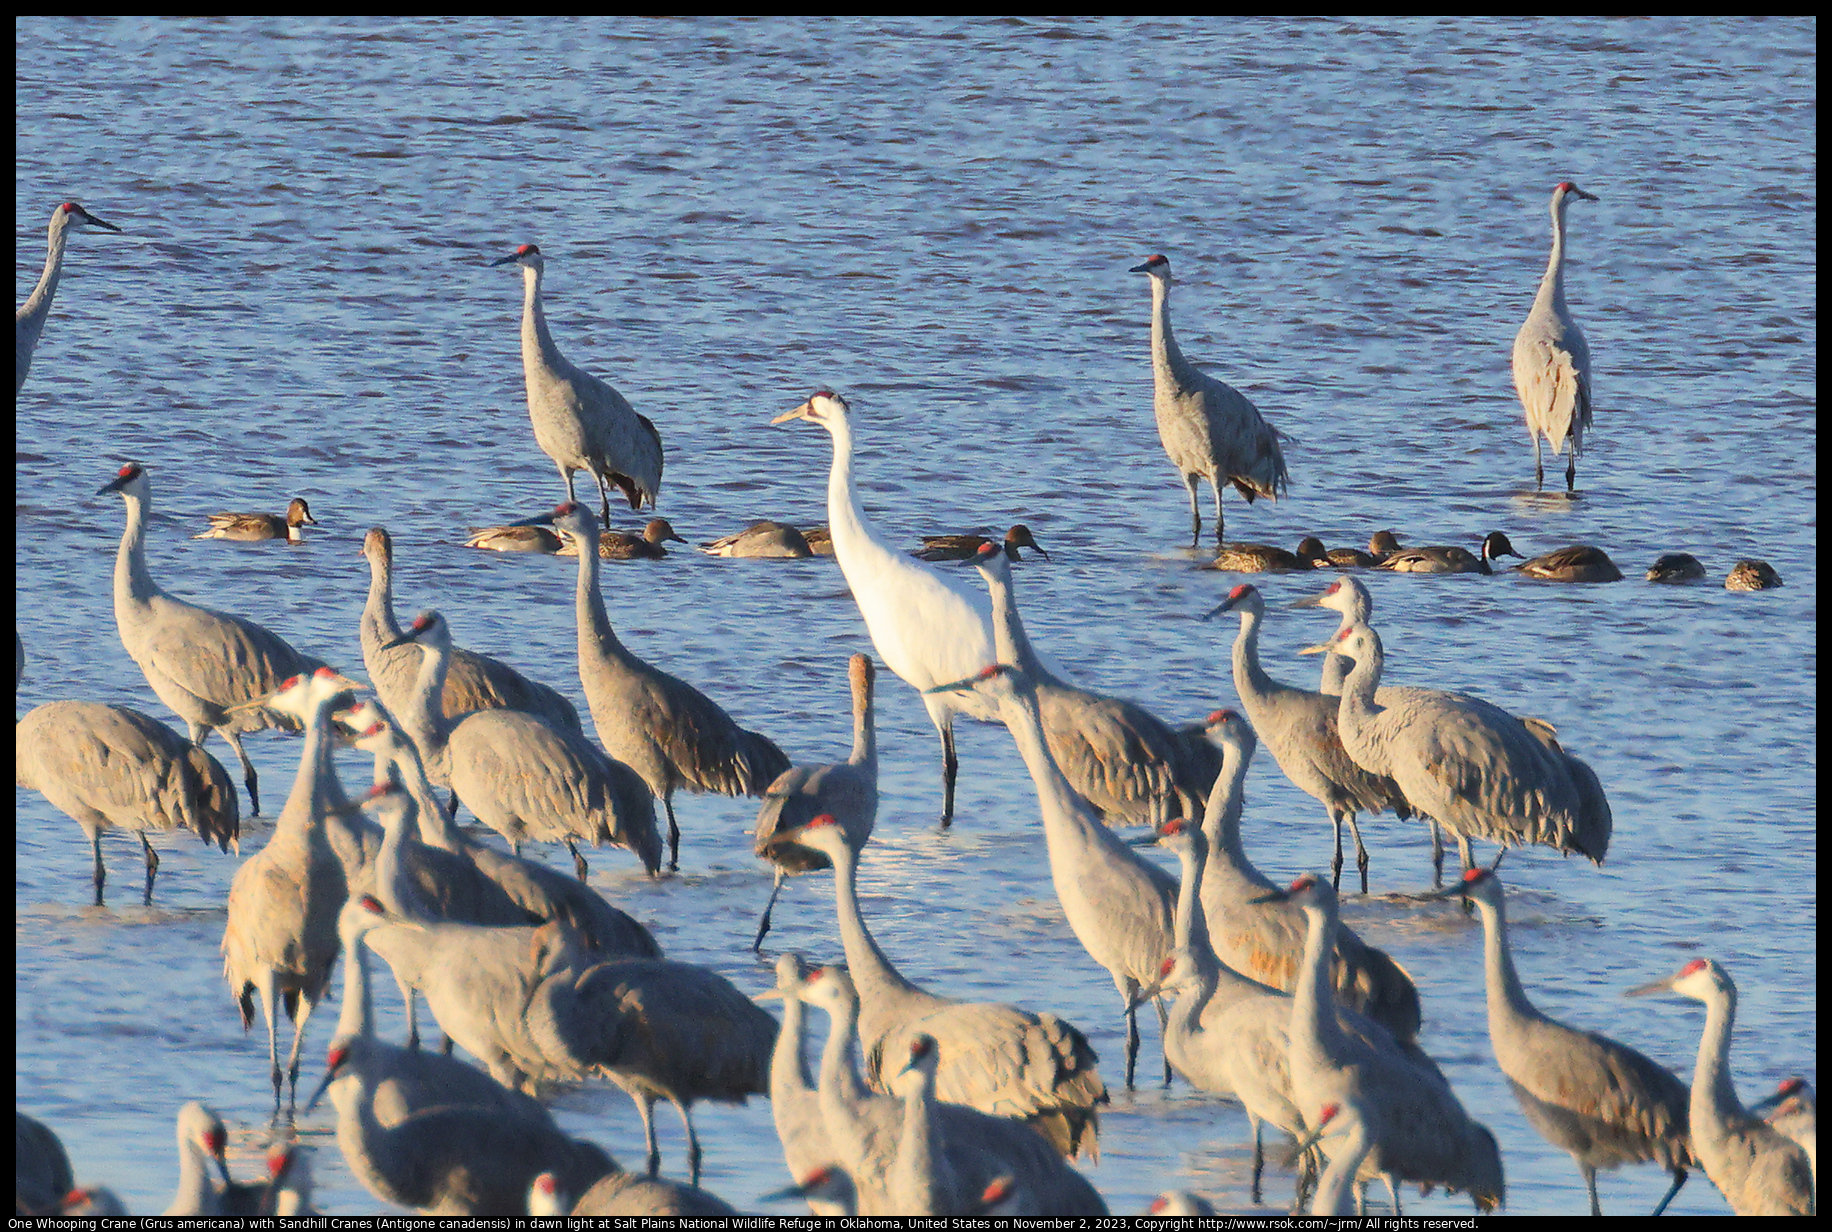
(1697, 964)
(1240, 590)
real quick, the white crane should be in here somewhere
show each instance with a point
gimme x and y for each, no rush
(659, 726)
(473, 682)
(846, 790)
(1551, 358)
(29, 320)
(109, 767)
(1299, 727)
(1601, 1101)
(1472, 767)
(1117, 755)
(1119, 905)
(925, 628)
(1208, 428)
(201, 663)
(253, 527)
(580, 421)
(997, 1058)
(1759, 1171)
(522, 777)
(627, 1194)
(1419, 1130)
(1794, 1113)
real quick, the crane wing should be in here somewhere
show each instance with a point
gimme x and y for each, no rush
(220, 658)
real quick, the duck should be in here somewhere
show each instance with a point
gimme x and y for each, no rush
(1449, 559)
(249, 527)
(1676, 567)
(762, 540)
(820, 540)
(629, 545)
(514, 539)
(1752, 575)
(965, 547)
(1264, 558)
(1311, 548)
(1578, 563)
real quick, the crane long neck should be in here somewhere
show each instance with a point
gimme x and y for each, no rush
(1313, 1009)
(357, 1017)
(864, 725)
(845, 517)
(1356, 714)
(597, 640)
(1715, 1106)
(1221, 816)
(1009, 639)
(915, 1177)
(378, 609)
(393, 884)
(1166, 358)
(423, 715)
(841, 1089)
(870, 969)
(788, 1066)
(1250, 679)
(1336, 1191)
(1552, 282)
(538, 349)
(1508, 1007)
(437, 829)
(315, 788)
(1065, 814)
(1190, 929)
(37, 306)
(195, 1193)
(134, 587)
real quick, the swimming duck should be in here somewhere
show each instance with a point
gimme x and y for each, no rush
(1450, 559)
(966, 547)
(1262, 558)
(1752, 575)
(1676, 567)
(762, 540)
(1311, 548)
(1577, 563)
(249, 527)
(514, 539)
(820, 540)
(628, 545)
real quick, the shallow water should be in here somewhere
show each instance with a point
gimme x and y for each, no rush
(936, 218)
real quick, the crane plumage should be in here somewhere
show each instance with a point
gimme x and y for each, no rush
(29, 319)
(1551, 358)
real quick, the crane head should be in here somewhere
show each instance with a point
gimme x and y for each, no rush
(1699, 979)
(987, 556)
(528, 256)
(428, 628)
(125, 479)
(1246, 596)
(74, 215)
(378, 544)
(1157, 265)
(823, 407)
(577, 523)
(1567, 189)
(1321, 600)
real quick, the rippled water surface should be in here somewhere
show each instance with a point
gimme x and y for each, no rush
(937, 219)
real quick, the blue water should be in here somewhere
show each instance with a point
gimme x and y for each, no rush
(936, 218)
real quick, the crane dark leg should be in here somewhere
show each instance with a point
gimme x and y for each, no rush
(234, 741)
(763, 927)
(604, 502)
(451, 805)
(1335, 864)
(578, 860)
(100, 874)
(1189, 482)
(301, 1013)
(1590, 1184)
(1539, 469)
(1163, 1030)
(567, 477)
(645, 1104)
(1361, 852)
(273, 1042)
(674, 834)
(1679, 1178)
(1215, 487)
(693, 1144)
(1128, 992)
(1571, 471)
(1259, 1157)
(1437, 855)
(950, 766)
(152, 867)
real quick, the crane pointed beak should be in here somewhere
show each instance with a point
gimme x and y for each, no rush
(399, 641)
(784, 1195)
(1139, 269)
(1319, 648)
(957, 686)
(1274, 896)
(1648, 990)
(800, 412)
(325, 1085)
(1144, 995)
(222, 1169)
(1311, 601)
(505, 260)
(771, 994)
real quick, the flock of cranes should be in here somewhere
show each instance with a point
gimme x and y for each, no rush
(1262, 995)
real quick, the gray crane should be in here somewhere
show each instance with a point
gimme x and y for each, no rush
(280, 942)
(522, 777)
(543, 893)
(925, 628)
(997, 1058)
(1117, 755)
(1470, 766)
(661, 727)
(622, 545)
(1601, 1101)
(1448, 558)
(627, 1194)
(765, 540)
(289, 1185)
(1794, 1113)
(1336, 1194)
(427, 1131)
(1552, 360)
(580, 421)
(1119, 905)
(795, 1102)
(201, 663)
(1418, 1128)
(1299, 727)
(847, 790)
(253, 527)
(966, 547)
(1209, 429)
(1265, 941)
(201, 1141)
(42, 1174)
(29, 320)
(1758, 1170)
(109, 767)
(474, 681)
(864, 1132)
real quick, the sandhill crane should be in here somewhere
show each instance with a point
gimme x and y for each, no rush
(1265, 941)
(997, 1058)
(522, 777)
(1118, 756)
(249, 527)
(920, 1180)
(661, 727)
(29, 320)
(1676, 567)
(1118, 904)
(1552, 360)
(1759, 1171)
(925, 628)
(847, 790)
(764, 540)
(1180, 1202)
(627, 1194)
(201, 1140)
(473, 682)
(41, 1167)
(580, 421)
(1577, 563)
(1419, 1130)
(91, 1202)
(1299, 727)
(966, 547)
(828, 1185)
(1472, 767)
(1752, 575)
(1442, 558)
(864, 1131)
(622, 545)
(109, 767)
(542, 892)
(795, 1103)
(201, 663)
(1336, 1189)
(1601, 1101)
(281, 937)
(1795, 1115)
(1208, 428)
(427, 1131)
